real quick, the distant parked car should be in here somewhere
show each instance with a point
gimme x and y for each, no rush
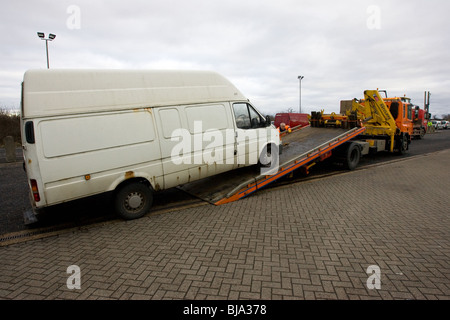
(434, 124)
(437, 124)
(444, 124)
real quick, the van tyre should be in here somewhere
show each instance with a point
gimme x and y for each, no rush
(133, 201)
(352, 156)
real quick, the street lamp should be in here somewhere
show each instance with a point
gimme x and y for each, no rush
(300, 80)
(51, 36)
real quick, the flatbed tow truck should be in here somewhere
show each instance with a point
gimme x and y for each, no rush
(367, 128)
(302, 148)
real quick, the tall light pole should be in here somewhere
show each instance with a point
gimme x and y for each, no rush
(51, 36)
(300, 81)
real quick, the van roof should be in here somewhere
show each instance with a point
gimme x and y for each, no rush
(50, 92)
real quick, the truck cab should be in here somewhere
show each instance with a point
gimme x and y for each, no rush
(401, 110)
(386, 120)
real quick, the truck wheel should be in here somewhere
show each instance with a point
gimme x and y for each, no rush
(133, 200)
(422, 133)
(352, 156)
(402, 144)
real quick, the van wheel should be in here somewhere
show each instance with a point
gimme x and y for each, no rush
(133, 201)
(353, 155)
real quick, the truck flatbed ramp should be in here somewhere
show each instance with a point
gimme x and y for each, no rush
(300, 148)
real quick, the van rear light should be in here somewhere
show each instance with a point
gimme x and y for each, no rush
(35, 190)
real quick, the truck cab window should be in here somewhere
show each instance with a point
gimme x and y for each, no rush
(394, 109)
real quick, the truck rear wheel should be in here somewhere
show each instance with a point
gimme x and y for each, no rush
(352, 156)
(133, 200)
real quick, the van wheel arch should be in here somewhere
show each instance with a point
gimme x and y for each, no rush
(133, 198)
(268, 153)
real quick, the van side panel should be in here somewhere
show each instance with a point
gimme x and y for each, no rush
(199, 134)
(85, 155)
(94, 132)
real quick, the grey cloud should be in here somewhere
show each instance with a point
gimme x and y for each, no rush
(262, 46)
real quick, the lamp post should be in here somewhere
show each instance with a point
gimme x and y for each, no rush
(300, 85)
(51, 36)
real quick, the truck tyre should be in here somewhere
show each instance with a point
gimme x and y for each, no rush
(133, 200)
(352, 156)
(422, 133)
(402, 144)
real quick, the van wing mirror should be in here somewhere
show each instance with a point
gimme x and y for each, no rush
(268, 121)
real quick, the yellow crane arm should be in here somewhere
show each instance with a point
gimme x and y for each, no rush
(375, 115)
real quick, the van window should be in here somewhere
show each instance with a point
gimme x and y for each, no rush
(247, 117)
(29, 132)
(211, 117)
(255, 118)
(170, 120)
(241, 115)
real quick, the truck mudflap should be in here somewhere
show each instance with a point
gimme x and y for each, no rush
(300, 148)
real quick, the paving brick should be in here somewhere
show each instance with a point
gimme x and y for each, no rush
(310, 240)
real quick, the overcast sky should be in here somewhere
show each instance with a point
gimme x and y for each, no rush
(341, 47)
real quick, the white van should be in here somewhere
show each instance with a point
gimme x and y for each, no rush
(86, 132)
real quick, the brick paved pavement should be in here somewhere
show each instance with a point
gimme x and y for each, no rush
(312, 240)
